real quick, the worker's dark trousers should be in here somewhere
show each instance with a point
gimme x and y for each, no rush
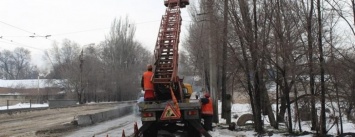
(207, 122)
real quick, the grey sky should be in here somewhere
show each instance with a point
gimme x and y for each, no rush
(82, 21)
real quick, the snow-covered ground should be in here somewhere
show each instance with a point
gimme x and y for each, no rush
(241, 109)
(24, 105)
(115, 127)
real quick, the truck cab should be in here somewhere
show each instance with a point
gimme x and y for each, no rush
(187, 91)
(189, 124)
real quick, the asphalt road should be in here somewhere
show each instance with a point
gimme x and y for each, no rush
(48, 122)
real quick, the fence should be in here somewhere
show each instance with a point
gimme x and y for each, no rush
(18, 103)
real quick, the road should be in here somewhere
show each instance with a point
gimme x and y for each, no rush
(112, 128)
(48, 122)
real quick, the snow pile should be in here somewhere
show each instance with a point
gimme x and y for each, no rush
(29, 83)
(16, 93)
(24, 105)
(240, 109)
(228, 133)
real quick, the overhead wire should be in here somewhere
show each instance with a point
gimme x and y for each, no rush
(24, 45)
(12, 42)
(67, 33)
(5, 42)
(47, 38)
(14, 36)
(8, 41)
(17, 27)
(32, 33)
(18, 44)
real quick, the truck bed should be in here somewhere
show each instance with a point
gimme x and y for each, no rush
(193, 104)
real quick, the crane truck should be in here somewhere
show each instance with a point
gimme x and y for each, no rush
(172, 112)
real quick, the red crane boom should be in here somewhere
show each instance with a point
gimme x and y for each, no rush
(170, 112)
(166, 51)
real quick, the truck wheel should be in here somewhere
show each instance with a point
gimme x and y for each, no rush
(192, 132)
(152, 131)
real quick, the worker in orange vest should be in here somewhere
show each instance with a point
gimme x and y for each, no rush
(147, 84)
(207, 111)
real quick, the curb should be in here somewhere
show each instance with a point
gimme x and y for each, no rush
(89, 119)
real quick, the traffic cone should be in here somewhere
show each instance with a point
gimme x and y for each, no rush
(135, 129)
(123, 134)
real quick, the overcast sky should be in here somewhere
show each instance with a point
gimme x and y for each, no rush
(82, 21)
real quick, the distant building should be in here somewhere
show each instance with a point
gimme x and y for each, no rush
(30, 87)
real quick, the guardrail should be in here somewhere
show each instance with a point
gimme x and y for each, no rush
(89, 119)
(18, 110)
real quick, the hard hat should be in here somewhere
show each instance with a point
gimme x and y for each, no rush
(149, 66)
(207, 95)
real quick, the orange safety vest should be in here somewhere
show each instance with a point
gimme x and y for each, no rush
(207, 109)
(147, 77)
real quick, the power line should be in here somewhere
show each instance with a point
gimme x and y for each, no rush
(17, 27)
(59, 34)
(32, 36)
(18, 44)
(14, 36)
(67, 33)
(5, 42)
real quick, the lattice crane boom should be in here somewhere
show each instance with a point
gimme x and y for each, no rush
(172, 110)
(167, 47)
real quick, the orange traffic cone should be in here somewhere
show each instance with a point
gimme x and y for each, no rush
(123, 134)
(135, 129)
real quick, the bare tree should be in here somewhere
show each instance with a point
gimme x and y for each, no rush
(16, 64)
(66, 60)
(278, 37)
(7, 64)
(121, 54)
(196, 44)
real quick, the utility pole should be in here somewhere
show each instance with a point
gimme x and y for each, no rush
(226, 110)
(39, 96)
(213, 63)
(81, 58)
(323, 121)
